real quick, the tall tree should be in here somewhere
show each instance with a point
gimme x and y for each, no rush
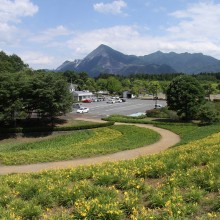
(11, 100)
(185, 95)
(114, 85)
(49, 95)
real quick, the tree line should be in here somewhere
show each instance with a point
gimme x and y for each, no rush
(138, 84)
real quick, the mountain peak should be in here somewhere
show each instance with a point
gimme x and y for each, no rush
(104, 59)
(103, 51)
(103, 46)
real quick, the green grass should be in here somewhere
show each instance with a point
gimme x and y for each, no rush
(77, 144)
(191, 132)
(180, 183)
(187, 131)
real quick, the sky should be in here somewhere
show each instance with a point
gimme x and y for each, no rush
(45, 33)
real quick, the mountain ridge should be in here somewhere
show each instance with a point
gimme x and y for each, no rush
(104, 59)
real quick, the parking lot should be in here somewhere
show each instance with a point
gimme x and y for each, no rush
(131, 106)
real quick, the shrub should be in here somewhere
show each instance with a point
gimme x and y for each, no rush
(162, 113)
(207, 113)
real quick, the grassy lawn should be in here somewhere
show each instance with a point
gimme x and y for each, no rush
(76, 144)
(191, 132)
(180, 183)
(187, 131)
(8, 141)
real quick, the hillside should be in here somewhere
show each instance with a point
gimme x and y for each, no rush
(104, 59)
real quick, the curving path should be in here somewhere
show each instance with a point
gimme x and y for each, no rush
(167, 140)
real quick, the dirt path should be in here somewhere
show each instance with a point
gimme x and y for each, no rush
(167, 140)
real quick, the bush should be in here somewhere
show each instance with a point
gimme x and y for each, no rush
(162, 113)
(208, 114)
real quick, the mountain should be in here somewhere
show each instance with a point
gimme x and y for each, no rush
(104, 59)
(184, 62)
(68, 65)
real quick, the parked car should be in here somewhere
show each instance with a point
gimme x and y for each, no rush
(111, 101)
(101, 99)
(158, 106)
(82, 110)
(94, 99)
(123, 99)
(87, 100)
(77, 105)
(118, 100)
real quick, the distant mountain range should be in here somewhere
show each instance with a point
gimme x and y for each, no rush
(104, 59)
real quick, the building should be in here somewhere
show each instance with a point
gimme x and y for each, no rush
(128, 94)
(81, 95)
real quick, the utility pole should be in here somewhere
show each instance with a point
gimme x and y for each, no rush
(156, 96)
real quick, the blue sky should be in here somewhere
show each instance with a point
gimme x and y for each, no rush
(45, 33)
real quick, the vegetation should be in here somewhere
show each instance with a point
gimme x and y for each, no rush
(46, 95)
(49, 128)
(185, 96)
(78, 144)
(12, 63)
(187, 131)
(181, 183)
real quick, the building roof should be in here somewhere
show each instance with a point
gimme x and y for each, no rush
(82, 93)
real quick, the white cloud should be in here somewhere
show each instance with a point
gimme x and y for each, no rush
(85, 42)
(12, 11)
(51, 34)
(37, 59)
(115, 7)
(129, 40)
(198, 22)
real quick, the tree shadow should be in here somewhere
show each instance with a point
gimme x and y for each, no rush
(32, 127)
(166, 120)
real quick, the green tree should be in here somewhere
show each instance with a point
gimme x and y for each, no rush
(126, 84)
(50, 95)
(114, 85)
(209, 89)
(154, 87)
(138, 87)
(185, 95)
(11, 63)
(102, 84)
(11, 100)
(91, 85)
(71, 76)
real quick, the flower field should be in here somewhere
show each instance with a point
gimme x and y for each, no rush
(181, 183)
(78, 144)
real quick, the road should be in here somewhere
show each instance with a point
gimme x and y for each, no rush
(131, 106)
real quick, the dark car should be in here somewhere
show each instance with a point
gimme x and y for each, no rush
(77, 105)
(123, 99)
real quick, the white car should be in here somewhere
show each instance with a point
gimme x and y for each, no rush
(111, 101)
(82, 110)
(118, 100)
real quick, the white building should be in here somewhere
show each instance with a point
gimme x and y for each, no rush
(81, 95)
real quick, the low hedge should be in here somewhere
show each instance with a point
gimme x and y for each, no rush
(128, 119)
(51, 129)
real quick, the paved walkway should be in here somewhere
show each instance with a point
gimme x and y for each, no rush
(167, 140)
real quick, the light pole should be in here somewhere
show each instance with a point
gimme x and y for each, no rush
(156, 96)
